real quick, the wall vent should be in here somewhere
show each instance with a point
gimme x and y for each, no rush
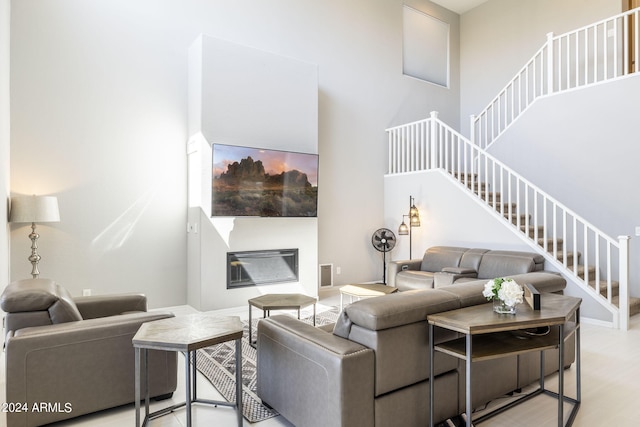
(326, 275)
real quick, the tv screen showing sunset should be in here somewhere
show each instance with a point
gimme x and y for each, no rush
(259, 182)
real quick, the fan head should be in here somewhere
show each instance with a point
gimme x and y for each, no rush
(383, 240)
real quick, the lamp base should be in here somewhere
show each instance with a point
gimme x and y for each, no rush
(34, 258)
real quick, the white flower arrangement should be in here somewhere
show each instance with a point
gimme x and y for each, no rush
(506, 290)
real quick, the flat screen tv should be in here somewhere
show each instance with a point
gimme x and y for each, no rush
(250, 181)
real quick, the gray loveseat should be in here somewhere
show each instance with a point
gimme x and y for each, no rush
(74, 355)
(371, 368)
(444, 265)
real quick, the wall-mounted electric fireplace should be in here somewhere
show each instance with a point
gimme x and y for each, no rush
(251, 268)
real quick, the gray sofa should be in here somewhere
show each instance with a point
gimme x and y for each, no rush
(74, 355)
(444, 265)
(371, 367)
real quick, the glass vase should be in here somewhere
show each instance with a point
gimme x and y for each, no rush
(501, 307)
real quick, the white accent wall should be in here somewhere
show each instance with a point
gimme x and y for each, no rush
(244, 96)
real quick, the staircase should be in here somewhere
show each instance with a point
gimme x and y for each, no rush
(552, 245)
(587, 257)
(590, 55)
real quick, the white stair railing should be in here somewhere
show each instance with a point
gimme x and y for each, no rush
(593, 54)
(593, 259)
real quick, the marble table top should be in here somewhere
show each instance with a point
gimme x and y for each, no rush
(188, 332)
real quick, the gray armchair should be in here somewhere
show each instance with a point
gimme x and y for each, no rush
(71, 357)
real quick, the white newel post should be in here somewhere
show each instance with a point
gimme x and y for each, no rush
(549, 63)
(433, 138)
(623, 242)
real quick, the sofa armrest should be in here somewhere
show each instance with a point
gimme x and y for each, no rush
(449, 275)
(87, 365)
(92, 307)
(292, 355)
(394, 267)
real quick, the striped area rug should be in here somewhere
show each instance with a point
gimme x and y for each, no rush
(217, 364)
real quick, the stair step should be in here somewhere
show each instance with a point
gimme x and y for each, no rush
(532, 230)
(580, 272)
(615, 287)
(476, 186)
(550, 241)
(468, 179)
(570, 257)
(489, 196)
(634, 304)
(523, 217)
(461, 176)
(505, 207)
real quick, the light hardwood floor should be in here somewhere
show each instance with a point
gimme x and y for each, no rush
(610, 388)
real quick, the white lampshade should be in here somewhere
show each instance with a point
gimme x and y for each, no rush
(34, 209)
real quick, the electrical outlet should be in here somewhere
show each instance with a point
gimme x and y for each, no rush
(637, 230)
(86, 292)
(338, 270)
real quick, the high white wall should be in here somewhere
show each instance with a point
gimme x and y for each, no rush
(5, 11)
(99, 118)
(498, 37)
(246, 97)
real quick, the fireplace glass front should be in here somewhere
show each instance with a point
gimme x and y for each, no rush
(251, 268)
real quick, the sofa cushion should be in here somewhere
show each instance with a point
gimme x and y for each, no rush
(500, 265)
(342, 326)
(438, 257)
(400, 308)
(536, 257)
(33, 295)
(28, 295)
(472, 258)
(64, 309)
(543, 281)
(468, 293)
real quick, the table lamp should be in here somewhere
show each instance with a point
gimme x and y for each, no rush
(34, 209)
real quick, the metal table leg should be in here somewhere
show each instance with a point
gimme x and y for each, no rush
(187, 386)
(137, 385)
(431, 377)
(250, 328)
(239, 381)
(468, 380)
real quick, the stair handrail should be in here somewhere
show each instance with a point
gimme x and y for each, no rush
(431, 144)
(583, 57)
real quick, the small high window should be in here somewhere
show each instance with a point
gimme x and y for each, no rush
(425, 53)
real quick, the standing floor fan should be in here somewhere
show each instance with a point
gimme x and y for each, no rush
(384, 241)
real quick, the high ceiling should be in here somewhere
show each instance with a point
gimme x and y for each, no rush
(459, 6)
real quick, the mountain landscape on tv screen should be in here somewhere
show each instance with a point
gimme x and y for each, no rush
(245, 189)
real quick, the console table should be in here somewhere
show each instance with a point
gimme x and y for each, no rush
(488, 335)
